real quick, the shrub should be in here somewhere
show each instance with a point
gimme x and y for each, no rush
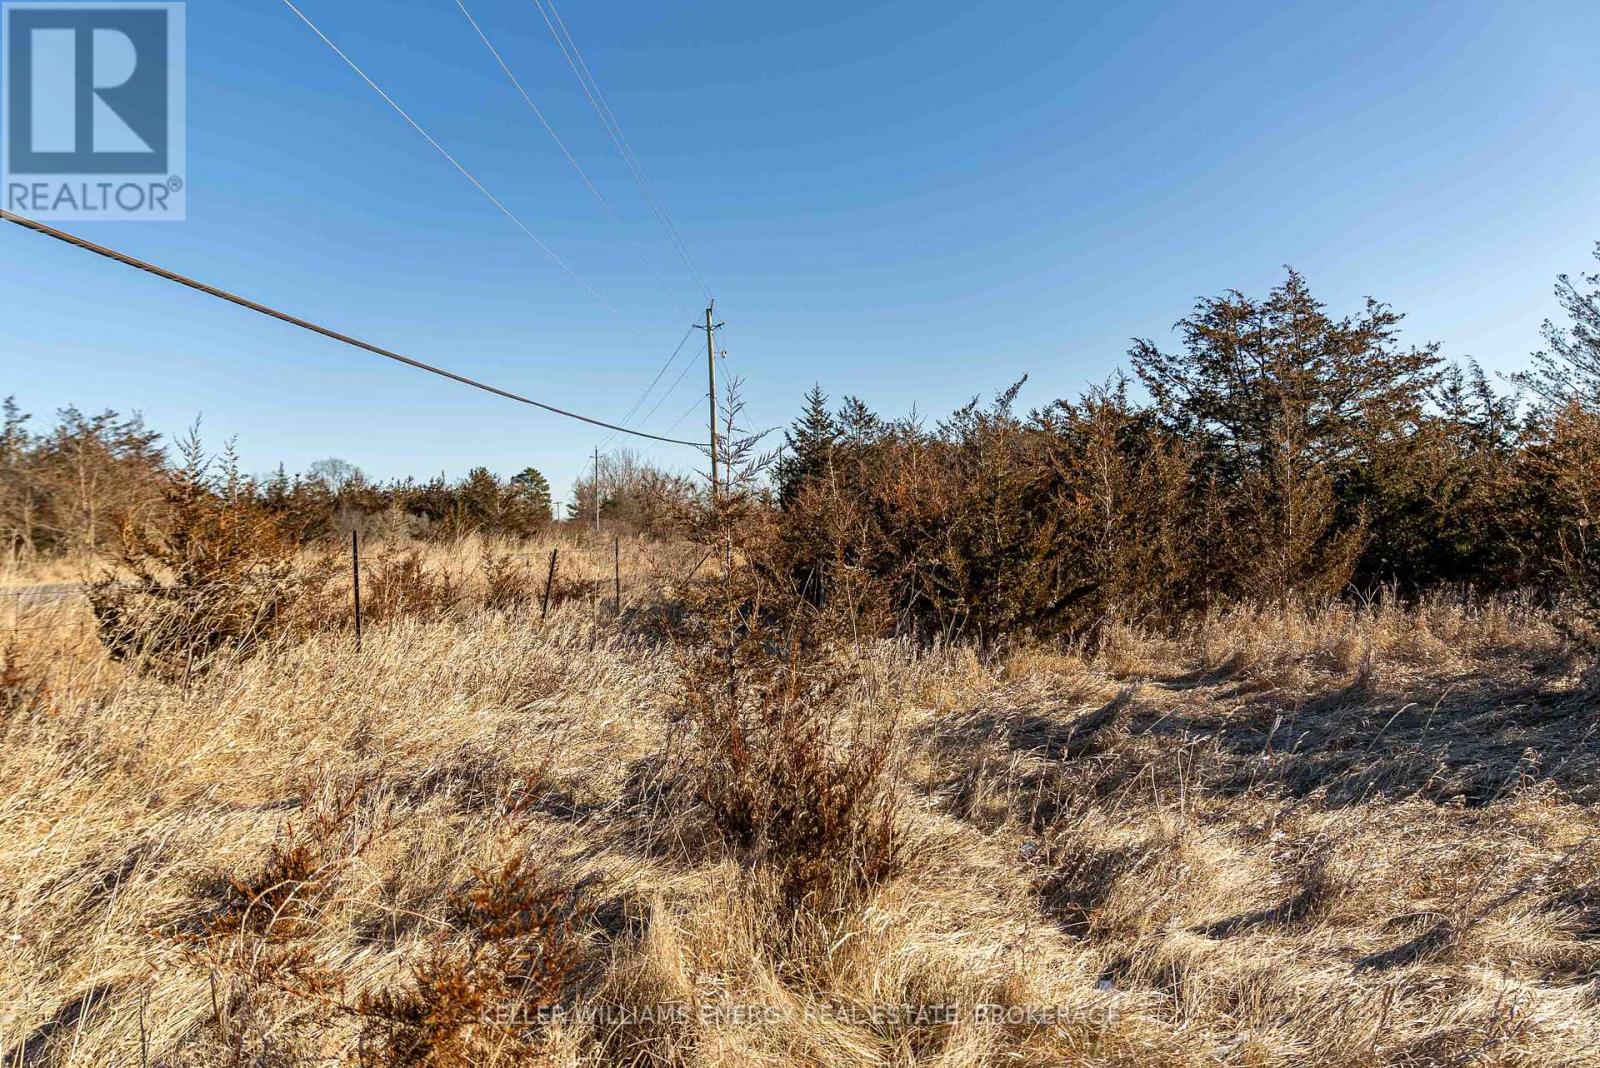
(472, 998)
(793, 780)
(1128, 520)
(1285, 455)
(21, 688)
(258, 938)
(62, 489)
(1440, 495)
(941, 527)
(398, 582)
(507, 580)
(790, 778)
(992, 526)
(1565, 462)
(484, 998)
(221, 579)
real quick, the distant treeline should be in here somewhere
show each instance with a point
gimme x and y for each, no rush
(80, 484)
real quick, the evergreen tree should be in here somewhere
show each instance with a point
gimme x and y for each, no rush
(1258, 378)
(1568, 369)
(808, 446)
(858, 425)
(534, 490)
(1283, 400)
(13, 430)
(480, 504)
(1440, 500)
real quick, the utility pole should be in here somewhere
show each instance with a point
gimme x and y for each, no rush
(597, 489)
(711, 388)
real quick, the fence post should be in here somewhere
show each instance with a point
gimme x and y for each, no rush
(355, 574)
(549, 580)
(616, 572)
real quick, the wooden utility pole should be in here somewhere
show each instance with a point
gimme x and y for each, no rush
(597, 490)
(711, 388)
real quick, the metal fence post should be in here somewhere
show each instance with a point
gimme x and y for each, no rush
(549, 581)
(355, 575)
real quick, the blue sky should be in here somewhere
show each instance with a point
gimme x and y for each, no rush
(914, 202)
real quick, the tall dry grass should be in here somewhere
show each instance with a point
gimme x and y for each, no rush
(1349, 836)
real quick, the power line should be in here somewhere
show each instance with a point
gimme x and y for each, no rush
(681, 342)
(599, 197)
(570, 158)
(591, 88)
(676, 382)
(293, 320)
(670, 391)
(688, 410)
(608, 119)
(507, 212)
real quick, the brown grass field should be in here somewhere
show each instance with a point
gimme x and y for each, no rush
(1343, 836)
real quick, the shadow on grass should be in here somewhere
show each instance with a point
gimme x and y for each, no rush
(1471, 738)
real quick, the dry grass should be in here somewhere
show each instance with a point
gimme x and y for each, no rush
(16, 571)
(1342, 837)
